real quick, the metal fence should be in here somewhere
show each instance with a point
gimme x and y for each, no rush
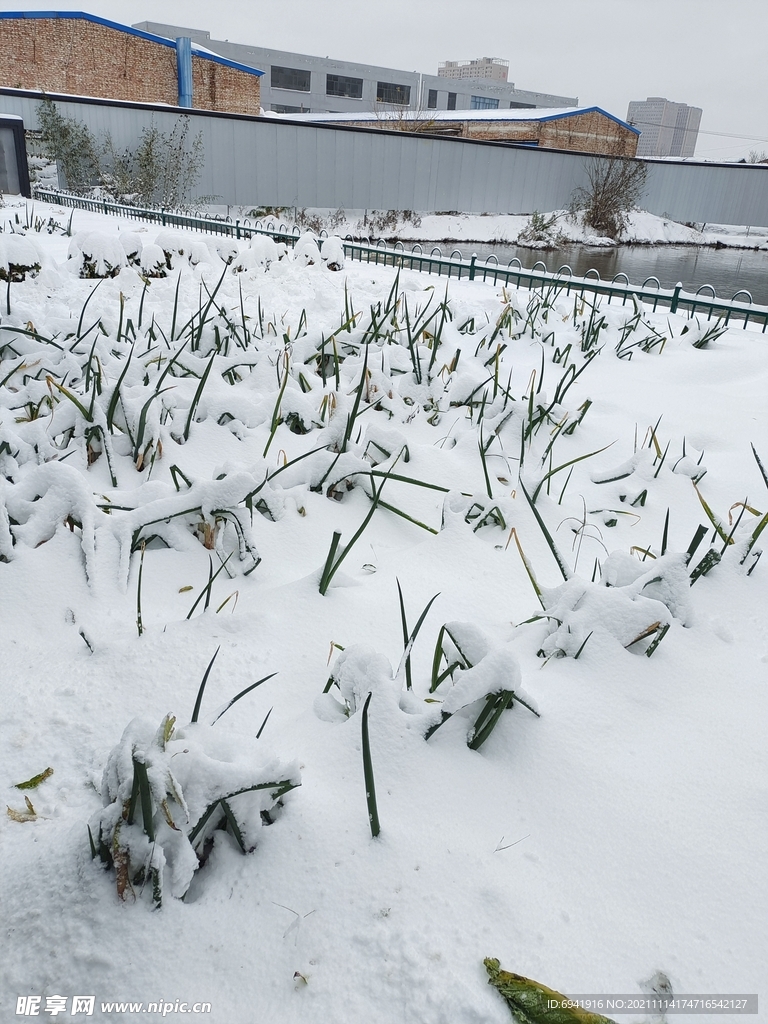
(275, 162)
(737, 309)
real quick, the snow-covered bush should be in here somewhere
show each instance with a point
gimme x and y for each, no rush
(18, 257)
(177, 246)
(226, 249)
(96, 254)
(333, 253)
(132, 246)
(153, 262)
(306, 251)
(166, 791)
(262, 252)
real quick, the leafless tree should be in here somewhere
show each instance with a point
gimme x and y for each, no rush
(616, 185)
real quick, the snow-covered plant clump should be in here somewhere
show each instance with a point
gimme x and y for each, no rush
(485, 680)
(306, 252)
(132, 245)
(153, 261)
(166, 791)
(18, 257)
(633, 602)
(541, 232)
(481, 680)
(96, 254)
(333, 253)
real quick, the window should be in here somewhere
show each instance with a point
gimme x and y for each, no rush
(340, 85)
(451, 100)
(432, 100)
(483, 103)
(289, 78)
(388, 92)
(521, 106)
(286, 108)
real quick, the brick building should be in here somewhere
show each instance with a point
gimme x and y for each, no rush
(72, 52)
(580, 129)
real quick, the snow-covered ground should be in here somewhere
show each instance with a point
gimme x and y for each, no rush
(643, 228)
(154, 436)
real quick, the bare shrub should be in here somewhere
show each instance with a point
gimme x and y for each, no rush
(162, 171)
(616, 185)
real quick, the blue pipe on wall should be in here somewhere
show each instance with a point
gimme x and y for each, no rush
(184, 67)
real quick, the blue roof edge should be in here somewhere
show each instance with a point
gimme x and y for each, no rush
(129, 30)
(592, 110)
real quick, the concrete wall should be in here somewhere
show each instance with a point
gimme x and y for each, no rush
(267, 162)
(81, 56)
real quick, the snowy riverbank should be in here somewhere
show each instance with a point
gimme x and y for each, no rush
(644, 228)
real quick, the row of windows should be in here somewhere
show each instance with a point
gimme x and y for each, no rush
(475, 103)
(298, 80)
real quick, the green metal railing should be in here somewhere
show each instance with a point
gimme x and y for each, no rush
(455, 265)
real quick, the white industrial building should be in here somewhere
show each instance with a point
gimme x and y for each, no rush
(296, 83)
(666, 128)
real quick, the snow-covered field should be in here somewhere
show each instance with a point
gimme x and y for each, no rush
(540, 465)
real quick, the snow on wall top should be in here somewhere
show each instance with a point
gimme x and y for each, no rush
(514, 114)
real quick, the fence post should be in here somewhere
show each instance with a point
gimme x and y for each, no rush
(472, 266)
(675, 297)
(237, 228)
(162, 217)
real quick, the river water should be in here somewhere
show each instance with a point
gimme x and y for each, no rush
(726, 270)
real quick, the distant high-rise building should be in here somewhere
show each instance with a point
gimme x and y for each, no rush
(482, 67)
(667, 129)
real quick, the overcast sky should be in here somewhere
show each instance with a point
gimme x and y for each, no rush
(711, 54)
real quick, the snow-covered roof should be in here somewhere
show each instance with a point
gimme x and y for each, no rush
(197, 50)
(514, 114)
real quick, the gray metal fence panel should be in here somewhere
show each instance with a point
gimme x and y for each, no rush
(256, 161)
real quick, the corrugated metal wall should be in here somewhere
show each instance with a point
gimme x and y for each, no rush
(262, 162)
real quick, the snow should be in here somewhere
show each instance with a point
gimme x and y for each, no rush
(617, 835)
(463, 228)
(530, 114)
